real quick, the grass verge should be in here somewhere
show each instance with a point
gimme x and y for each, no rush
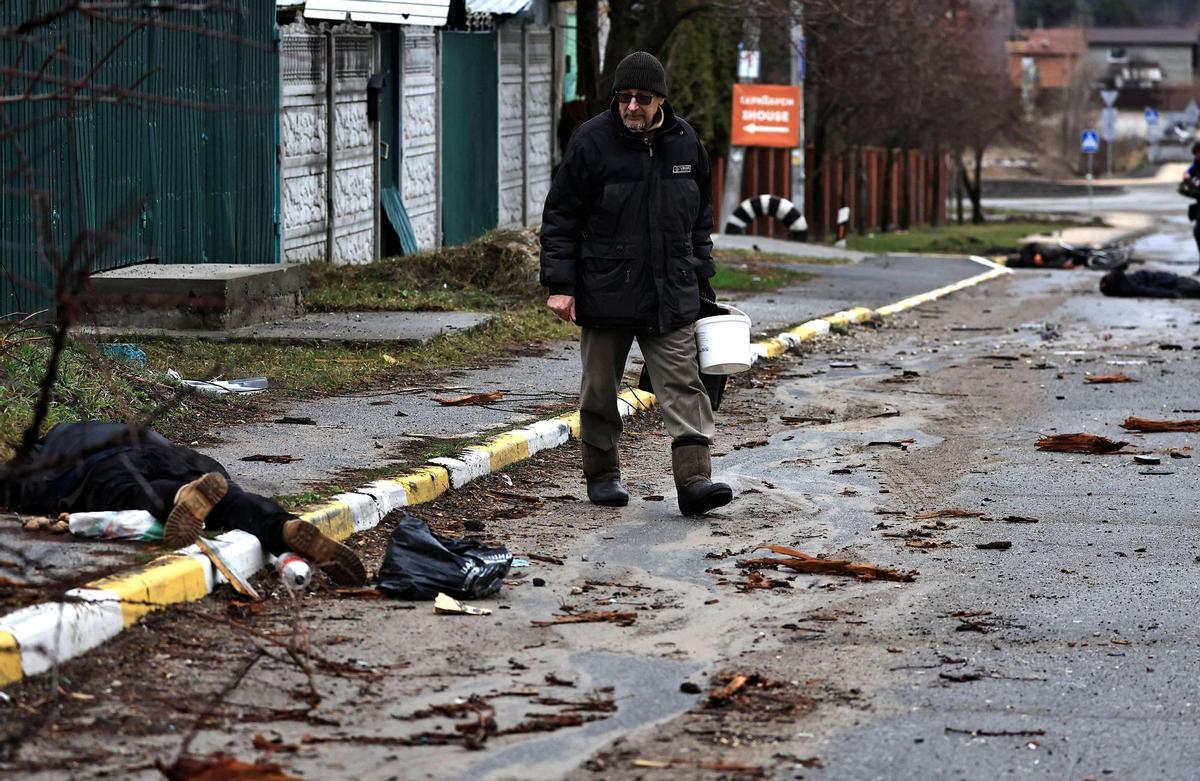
(989, 238)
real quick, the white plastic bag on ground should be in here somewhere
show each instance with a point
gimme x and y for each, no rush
(116, 525)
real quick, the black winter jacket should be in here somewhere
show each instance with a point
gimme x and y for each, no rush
(626, 227)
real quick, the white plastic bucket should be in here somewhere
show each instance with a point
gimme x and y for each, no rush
(723, 342)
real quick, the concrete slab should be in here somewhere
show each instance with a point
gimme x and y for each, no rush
(196, 296)
(798, 248)
(358, 327)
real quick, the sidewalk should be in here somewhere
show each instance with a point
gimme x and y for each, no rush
(362, 432)
(1121, 227)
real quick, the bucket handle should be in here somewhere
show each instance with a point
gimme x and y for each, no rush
(732, 309)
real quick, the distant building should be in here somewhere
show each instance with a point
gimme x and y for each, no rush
(1143, 57)
(1052, 59)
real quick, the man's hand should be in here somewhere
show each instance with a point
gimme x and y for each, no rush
(563, 306)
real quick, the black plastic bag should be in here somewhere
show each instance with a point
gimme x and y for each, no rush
(419, 564)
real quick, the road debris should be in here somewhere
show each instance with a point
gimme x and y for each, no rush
(289, 420)
(995, 545)
(900, 443)
(219, 767)
(725, 767)
(1154, 426)
(983, 733)
(1102, 379)
(271, 459)
(1018, 519)
(756, 580)
(620, 618)
(420, 564)
(471, 399)
(448, 605)
(1093, 444)
(1147, 459)
(240, 584)
(952, 512)
(1180, 452)
(812, 565)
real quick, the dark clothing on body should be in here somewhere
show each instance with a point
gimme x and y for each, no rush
(1148, 284)
(95, 466)
(627, 223)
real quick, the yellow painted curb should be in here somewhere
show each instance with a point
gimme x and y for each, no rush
(334, 518)
(10, 659)
(506, 449)
(161, 582)
(425, 484)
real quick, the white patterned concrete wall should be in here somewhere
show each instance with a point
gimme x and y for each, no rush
(354, 147)
(526, 122)
(539, 138)
(302, 142)
(303, 145)
(512, 125)
(419, 175)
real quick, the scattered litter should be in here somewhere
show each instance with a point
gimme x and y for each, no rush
(757, 580)
(220, 766)
(1156, 472)
(811, 565)
(653, 498)
(1080, 443)
(544, 559)
(752, 444)
(736, 682)
(1101, 379)
(592, 617)
(996, 545)
(539, 582)
(554, 680)
(727, 767)
(1126, 363)
(240, 584)
(294, 421)
(419, 564)
(1180, 452)
(1146, 425)
(242, 386)
(1018, 519)
(471, 399)
(900, 443)
(1168, 346)
(127, 352)
(1147, 460)
(952, 512)
(115, 525)
(983, 733)
(294, 571)
(843, 365)
(444, 604)
(272, 459)
(518, 563)
(960, 677)
(690, 687)
(388, 359)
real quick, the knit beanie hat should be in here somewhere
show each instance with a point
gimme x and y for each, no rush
(641, 70)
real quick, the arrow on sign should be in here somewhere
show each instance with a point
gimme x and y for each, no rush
(753, 128)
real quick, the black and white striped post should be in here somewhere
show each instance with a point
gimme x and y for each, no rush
(843, 226)
(768, 206)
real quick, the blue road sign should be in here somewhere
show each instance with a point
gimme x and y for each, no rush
(1089, 142)
(1151, 116)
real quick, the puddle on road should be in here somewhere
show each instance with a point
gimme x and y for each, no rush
(647, 691)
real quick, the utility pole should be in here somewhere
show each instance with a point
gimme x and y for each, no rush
(799, 71)
(735, 163)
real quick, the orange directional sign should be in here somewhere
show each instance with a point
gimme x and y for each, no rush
(766, 115)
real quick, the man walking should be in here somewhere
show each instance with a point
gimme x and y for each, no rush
(1190, 188)
(626, 253)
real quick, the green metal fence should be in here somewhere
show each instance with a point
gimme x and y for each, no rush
(150, 134)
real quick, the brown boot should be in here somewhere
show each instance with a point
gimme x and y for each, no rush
(341, 564)
(602, 468)
(193, 502)
(692, 465)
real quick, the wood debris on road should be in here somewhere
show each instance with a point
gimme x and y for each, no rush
(471, 399)
(1101, 379)
(812, 565)
(1093, 444)
(1154, 426)
(620, 618)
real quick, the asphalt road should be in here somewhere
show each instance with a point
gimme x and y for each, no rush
(1071, 653)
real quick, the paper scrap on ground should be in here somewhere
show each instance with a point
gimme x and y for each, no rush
(448, 605)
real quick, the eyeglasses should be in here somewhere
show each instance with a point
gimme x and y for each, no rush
(642, 98)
